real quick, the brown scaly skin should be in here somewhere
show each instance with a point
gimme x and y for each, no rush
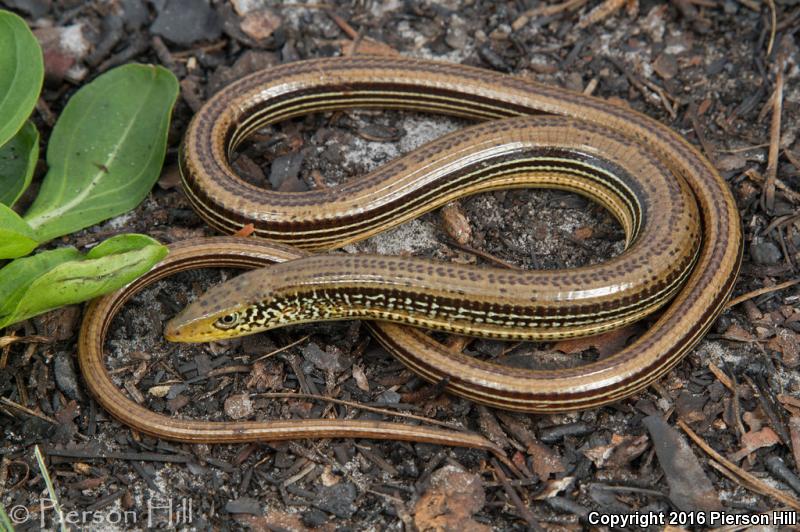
(321, 220)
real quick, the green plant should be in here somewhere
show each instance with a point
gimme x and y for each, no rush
(5, 521)
(103, 156)
(51, 490)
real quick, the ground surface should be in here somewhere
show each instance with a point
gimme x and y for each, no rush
(701, 67)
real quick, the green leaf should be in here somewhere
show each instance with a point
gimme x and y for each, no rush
(120, 244)
(17, 276)
(51, 490)
(22, 71)
(16, 237)
(106, 150)
(52, 279)
(18, 159)
(5, 521)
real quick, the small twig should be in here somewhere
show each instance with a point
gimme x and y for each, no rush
(137, 45)
(23, 477)
(361, 406)
(666, 98)
(788, 20)
(752, 5)
(45, 112)
(51, 491)
(309, 467)
(485, 255)
(26, 410)
(224, 381)
(738, 474)
(163, 53)
(227, 370)
(778, 468)
(90, 453)
(787, 257)
(546, 11)
(781, 222)
(774, 141)
(758, 178)
(600, 13)
(356, 42)
(745, 148)
(284, 348)
(698, 131)
(30, 330)
(550, 10)
(496, 451)
(8, 340)
(721, 377)
(761, 291)
(343, 24)
(769, 404)
(212, 47)
(590, 87)
(773, 25)
(736, 406)
(636, 82)
(522, 510)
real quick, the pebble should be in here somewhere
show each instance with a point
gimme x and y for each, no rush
(765, 253)
(248, 62)
(493, 59)
(690, 489)
(239, 406)
(285, 170)
(666, 66)
(136, 14)
(177, 402)
(63, 48)
(555, 434)
(323, 360)
(260, 24)
(314, 518)
(731, 163)
(34, 8)
(722, 324)
(283, 460)
(690, 405)
(389, 397)
(175, 390)
(65, 375)
(456, 37)
(243, 505)
(574, 81)
(244, 7)
(184, 22)
(337, 500)
(453, 496)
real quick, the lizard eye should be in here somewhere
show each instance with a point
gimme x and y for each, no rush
(227, 321)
